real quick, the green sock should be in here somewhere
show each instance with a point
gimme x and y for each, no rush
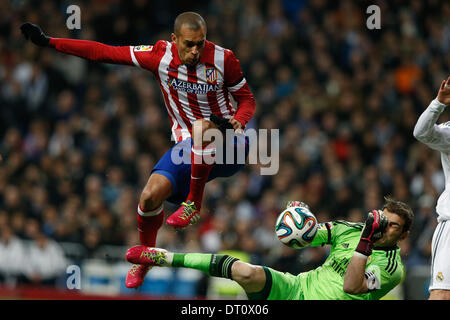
(216, 265)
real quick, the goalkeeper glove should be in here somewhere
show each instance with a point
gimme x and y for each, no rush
(34, 33)
(374, 229)
(221, 123)
(296, 204)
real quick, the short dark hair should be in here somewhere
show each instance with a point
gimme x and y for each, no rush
(401, 209)
(192, 20)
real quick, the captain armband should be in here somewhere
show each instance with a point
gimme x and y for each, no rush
(372, 281)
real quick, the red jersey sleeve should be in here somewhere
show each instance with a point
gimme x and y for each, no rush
(239, 89)
(144, 56)
(147, 56)
(93, 50)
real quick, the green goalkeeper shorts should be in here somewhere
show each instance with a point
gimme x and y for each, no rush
(279, 286)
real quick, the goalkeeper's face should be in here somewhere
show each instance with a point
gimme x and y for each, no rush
(394, 231)
(190, 44)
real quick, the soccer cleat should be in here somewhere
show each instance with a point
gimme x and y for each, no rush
(136, 275)
(186, 215)
(147, 256)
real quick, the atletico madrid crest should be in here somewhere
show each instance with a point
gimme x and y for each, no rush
(211, 75)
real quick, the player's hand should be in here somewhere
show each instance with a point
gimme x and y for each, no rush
(291, 204)
(237, 126)
(444, 92)
(221, 123)
(375, 226)
(374, 229)
(35, 34)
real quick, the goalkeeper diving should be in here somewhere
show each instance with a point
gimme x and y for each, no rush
(364, 262)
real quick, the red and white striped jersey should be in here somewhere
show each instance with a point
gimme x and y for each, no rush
(190, 93)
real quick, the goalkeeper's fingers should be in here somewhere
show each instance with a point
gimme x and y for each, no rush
(293, 203)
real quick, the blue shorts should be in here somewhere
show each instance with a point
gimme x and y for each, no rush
(175, 165)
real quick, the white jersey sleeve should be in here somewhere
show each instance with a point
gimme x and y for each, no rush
(428, 132)
(437, 137)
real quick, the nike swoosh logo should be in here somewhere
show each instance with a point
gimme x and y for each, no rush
(195, 178)
(173, 70)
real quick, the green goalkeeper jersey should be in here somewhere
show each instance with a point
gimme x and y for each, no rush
(326, 281)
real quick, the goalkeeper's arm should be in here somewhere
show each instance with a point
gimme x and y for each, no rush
(357, 280)
(90, 50)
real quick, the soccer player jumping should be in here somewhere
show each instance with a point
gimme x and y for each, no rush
(196, 78)
(364, 261)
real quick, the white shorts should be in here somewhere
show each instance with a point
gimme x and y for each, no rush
(440, 257)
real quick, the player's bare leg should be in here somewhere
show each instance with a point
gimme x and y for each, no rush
(439, 295)
(189, 212)
(150, 217)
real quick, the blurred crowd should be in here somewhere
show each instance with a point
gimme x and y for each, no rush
(79, 139)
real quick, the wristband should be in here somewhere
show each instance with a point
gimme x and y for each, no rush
(364, 247)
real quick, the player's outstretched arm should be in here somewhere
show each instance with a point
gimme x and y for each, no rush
(426, 130)
(90, 50)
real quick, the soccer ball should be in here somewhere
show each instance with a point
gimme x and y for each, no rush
(296, 227)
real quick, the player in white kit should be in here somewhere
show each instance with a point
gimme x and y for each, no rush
(437, 137)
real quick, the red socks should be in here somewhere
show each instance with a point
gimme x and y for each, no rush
(148, 224)
(200, 172)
